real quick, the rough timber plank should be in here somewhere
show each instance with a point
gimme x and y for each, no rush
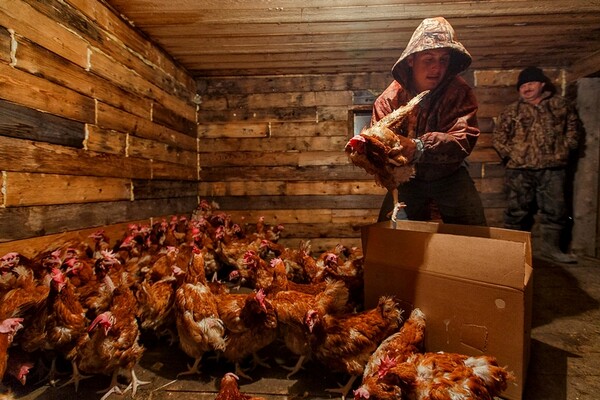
(296, 202)
(26, 222)
(257, 188)
(309, 173)
(27, 189)
(28, 22)
(270, 144)
(106, 67)
(157, 189)
(27, 156)
(74, 20)
(26, 123)
(31, 91)
(113, 118)
(36, 60)
(123, 32)
(32, 246)
(145, 148)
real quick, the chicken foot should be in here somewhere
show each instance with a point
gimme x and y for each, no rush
(134, 383)
(344, 389)
(75, 378)
(113, 387)
(240, 372)
(398, 205)
(193, 369)
(296, 367)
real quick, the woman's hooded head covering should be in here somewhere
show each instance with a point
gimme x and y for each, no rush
(432, 33)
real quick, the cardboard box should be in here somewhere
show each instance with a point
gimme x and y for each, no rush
(473, 284)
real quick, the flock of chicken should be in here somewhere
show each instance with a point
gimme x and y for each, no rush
(87, 303)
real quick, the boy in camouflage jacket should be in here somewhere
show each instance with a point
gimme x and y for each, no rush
(535, 136)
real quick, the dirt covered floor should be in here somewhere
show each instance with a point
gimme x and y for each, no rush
(564, 364)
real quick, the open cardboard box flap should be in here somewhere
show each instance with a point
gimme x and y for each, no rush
(472, 283)
(488, 255)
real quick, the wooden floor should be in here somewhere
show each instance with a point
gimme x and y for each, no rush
(565, 353)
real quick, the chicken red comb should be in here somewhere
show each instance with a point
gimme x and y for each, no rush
(232, 375)
(384, 366)
(11, 325)
(361, 393)
(105, 320)
(57, 275)
(356, 143)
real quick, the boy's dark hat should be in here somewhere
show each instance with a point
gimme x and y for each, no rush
(531, 74)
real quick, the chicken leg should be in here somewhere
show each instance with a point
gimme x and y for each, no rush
(398, 205)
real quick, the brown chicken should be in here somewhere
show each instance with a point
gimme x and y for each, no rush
(230, 390)
(251, 325)
(344, 343)
(292, 307)
(156, 304)
(378, 150)
(447, 375)
(116, 347)
(393, 350)
(65, 323)
(198, 324)
(23, 299)
(8, 330)
(19, 365)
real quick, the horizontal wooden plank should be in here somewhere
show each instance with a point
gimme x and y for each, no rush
(105, 66)
(292, 130)
(275, 173)
(113, 118)
(74, 20)
(28, 22)
(320, 245)
(332, 113)
(105, 140)
(23, 189)
(145, 148)
(118, 30)
(259, 115)
(36, 60)
(484, 154)
(227, 85)
(313, 216)
(507, 78)
(33, 246)
(157, 189)
(320, 230)
(296, 202)
(27, 156)
(297, 13)
(257, 187)
(288, 130)
(236, 159)
(166, 117)
(274, 144)
(234, 130)
(26, 123)
(169, 170)
(34, 92)
(26, 222)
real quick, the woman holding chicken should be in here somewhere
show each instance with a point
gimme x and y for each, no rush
(440, 132)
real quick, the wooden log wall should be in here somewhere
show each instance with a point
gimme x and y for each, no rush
(100, 128)
(97, 124)
(273, 146)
